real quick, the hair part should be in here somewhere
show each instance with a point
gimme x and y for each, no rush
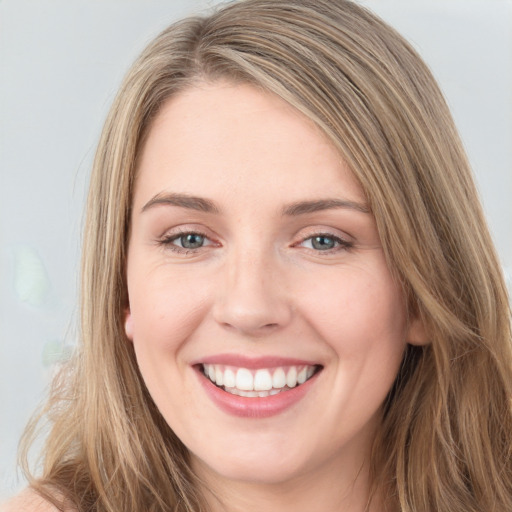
(446, 438)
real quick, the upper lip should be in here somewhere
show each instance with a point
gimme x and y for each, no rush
(242, 361)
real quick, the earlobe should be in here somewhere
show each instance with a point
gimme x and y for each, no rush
(128, 324)
(416, 334)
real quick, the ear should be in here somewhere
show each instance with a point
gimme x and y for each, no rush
(128, 324)
(416, 333)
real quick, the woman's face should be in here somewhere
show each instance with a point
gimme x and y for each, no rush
(253, 259)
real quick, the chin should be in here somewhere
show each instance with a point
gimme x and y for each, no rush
(259, 469)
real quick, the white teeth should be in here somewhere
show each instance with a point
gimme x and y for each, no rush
(279, 379)
(219, 376)
(257, 383)
(291, 377)
(229, 378)
(253, 394)
(262, 380)
(244, 380)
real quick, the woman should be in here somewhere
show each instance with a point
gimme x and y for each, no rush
(290, 297)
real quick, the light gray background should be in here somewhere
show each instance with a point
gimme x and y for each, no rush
(61, 62)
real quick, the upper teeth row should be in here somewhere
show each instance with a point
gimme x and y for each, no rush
(263, 379)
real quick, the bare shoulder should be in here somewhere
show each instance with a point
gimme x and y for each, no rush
(28, 501)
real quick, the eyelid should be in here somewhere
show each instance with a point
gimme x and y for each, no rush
(344, 241)
(196, 233)
(170, 235)
(319, 230)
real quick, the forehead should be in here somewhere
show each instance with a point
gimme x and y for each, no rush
(220, 137)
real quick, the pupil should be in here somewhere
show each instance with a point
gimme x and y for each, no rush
(322, 243)
(192, 241)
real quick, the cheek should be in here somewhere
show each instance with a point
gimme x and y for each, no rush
(357, 310)
(165, 308)
(164, 315)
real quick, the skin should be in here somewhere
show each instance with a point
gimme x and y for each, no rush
(28, 501)
(258, 287)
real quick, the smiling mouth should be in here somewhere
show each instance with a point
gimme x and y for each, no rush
(260, 382)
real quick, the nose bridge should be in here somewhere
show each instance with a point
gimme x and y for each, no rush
(252, 296)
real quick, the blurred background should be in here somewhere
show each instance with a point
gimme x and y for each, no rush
(61, 62)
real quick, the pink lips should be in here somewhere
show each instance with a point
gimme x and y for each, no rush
(252, 362)
(253, 407)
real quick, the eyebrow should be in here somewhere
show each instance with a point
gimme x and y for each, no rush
(294, 209)
(305, 207)
(182, 200)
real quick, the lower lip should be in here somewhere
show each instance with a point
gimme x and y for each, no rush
(255, 407)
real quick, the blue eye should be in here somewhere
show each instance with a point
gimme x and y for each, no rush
(190, 241)
(184, 242)
(325, 243)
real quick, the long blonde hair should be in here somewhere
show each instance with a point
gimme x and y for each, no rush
(446, 438)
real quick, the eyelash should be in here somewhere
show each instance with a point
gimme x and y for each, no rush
(168, 241)
(340, 244)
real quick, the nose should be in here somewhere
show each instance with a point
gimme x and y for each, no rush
(252, 296)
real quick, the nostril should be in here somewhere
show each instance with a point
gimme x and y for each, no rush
(253, 330)
(251, 310)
